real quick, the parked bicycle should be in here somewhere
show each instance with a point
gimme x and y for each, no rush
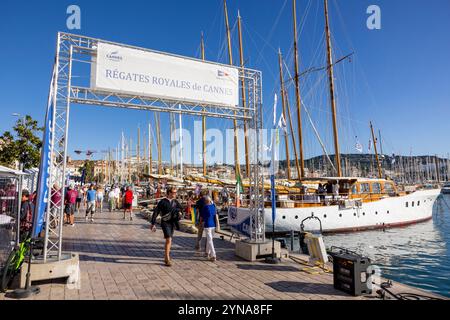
(14, 263)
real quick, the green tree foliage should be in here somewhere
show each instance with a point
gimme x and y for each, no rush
(100, 178)
(88, 167)
(8, 153)
(24, 146)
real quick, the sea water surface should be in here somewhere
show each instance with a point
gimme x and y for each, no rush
(417, 255)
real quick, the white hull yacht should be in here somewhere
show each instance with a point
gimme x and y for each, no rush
(362, 204)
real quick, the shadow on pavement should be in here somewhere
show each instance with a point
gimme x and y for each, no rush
(305, 287)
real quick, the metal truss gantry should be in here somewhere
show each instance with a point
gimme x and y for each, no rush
(73, 54)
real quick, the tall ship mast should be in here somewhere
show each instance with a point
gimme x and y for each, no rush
(342, 204)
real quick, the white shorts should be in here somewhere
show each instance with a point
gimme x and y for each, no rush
(90, 207)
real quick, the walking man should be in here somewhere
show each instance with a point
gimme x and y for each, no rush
(167, 208)
(200, 225)
(90, 199)
(70, 202)
(80, 197)
(100, 196)
(112, 200)
(128, 203)
(208, 215)
(117, 197)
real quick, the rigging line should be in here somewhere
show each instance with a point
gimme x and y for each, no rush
(269, 67)
(318, 136)
(346, 34)
(274, 25)
(222, 43)
(316, 55)
(211, 27)
(325, 110)
(300, 27)
(266, 42)
(316, 69)
(312, 123)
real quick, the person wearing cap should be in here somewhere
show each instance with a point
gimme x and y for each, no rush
(70, 201)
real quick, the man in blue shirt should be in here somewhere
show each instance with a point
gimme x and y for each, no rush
(90, 197)
(208, 215)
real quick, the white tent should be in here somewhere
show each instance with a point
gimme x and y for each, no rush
(8, 172)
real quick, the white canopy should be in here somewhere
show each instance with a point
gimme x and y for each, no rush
(8, 172)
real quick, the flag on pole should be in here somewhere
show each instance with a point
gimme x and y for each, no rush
(282, 123)
(274, 148)
(358, 146)
(43, 189)
(239, 186)
(239, 190)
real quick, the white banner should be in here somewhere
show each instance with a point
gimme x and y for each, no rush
(133, 71)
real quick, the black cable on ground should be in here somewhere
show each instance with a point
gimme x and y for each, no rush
(403, 296)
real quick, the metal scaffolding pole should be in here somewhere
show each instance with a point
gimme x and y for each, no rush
(75, 50)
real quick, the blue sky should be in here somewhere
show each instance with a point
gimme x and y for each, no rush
(399, 76)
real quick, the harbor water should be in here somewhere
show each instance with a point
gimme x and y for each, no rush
(417, 255)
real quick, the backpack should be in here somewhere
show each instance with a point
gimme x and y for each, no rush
(173, 214)
(165, 216)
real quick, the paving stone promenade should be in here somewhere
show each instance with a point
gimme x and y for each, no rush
(123, 260)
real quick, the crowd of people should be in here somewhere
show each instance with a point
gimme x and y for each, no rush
(89, 199)
(170, 211)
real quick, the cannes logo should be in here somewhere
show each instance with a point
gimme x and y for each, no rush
(222, 74)
(114, 56)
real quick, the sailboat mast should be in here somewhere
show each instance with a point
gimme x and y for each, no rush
(150, 171)
(171, 144)
(203, 119)
(244, 97)
(283, 103)
(230, 56)
(294, 142)
(138, 151)
(158, 137)
(144, 152)
(130, 157)
(332, 98)
(181, 142)
(380, 174)
(436, 161)
(297, 93)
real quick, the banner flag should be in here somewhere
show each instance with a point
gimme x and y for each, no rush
(44, 168)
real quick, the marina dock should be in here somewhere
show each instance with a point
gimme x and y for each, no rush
(123, 260)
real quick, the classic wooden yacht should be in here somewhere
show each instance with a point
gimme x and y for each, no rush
(362, 204)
